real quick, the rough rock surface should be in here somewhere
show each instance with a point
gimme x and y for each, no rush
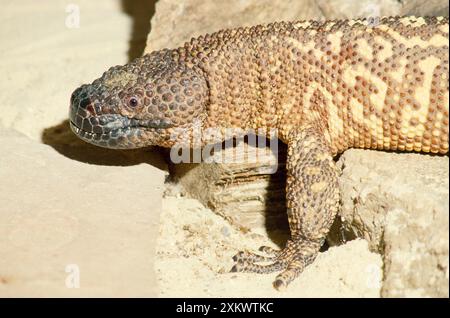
(399, 203)
(186, 19)
(344, 9)
(195, 248)
(244, 184)
(430, 7)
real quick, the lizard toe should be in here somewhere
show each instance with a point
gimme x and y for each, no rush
(248, 267)
(245, 256)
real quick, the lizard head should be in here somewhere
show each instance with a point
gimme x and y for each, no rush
(146, 102)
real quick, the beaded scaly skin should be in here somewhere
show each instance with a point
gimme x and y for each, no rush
(325, 87)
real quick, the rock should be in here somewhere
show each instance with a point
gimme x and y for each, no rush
(344, 9)
(195, 257)
(60, 218)
(250, 194)
(399, 203)
(430, 7)
(183, 20)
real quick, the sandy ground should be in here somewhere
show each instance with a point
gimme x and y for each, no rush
(63, 202)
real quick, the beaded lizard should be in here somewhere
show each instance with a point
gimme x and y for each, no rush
(325, 86)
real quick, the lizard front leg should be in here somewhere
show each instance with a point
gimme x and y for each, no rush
(312, 195)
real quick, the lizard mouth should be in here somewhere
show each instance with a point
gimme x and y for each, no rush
(106, 124)
(115, 131)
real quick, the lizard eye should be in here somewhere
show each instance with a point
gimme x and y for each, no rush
(133, 101)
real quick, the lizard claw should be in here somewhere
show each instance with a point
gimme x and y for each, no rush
(291, 261)
(279, 285)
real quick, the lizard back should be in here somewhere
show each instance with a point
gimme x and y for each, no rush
(367, 84)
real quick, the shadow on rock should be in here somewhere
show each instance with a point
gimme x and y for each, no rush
(140, 11)
(64, 141)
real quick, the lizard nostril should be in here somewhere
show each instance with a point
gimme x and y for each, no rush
(84, 103)
(90, 109)
(87, 106)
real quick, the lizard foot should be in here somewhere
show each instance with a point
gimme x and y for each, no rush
(291, 261)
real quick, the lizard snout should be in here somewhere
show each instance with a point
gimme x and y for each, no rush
(81, 109)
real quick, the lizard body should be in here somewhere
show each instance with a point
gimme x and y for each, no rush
(325, 87)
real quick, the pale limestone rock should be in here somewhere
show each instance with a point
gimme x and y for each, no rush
(399, 203)
(345, 9)
(176, 22)
(195, 249)
(247, 189)
(429, 7)
(59, 215)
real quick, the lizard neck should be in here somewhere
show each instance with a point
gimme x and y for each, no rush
(248, 84)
